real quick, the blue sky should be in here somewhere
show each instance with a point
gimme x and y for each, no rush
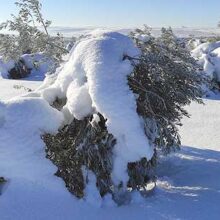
(126, 13)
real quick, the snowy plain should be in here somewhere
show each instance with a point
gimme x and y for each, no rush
(179, 31)
(188, 185)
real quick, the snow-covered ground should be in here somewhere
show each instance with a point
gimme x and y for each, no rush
(188, 185)
(12, 88)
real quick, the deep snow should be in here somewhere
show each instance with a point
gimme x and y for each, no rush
(188, 185)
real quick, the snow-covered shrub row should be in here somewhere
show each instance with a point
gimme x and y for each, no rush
(208, 56)
(95, 81)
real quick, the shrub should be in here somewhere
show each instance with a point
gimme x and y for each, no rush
(164, 80)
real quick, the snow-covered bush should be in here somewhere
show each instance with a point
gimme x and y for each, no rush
(208, 56)
(122, 102)
(27, 38)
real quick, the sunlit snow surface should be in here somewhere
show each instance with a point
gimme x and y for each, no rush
(188, 185)
(180, 32)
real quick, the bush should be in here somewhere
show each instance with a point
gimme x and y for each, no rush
(164, 80)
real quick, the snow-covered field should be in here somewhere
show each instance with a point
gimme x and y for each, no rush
(12, 88)
(188, 185)
(180, 32)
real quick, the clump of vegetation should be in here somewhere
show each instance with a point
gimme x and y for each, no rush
(164, 80)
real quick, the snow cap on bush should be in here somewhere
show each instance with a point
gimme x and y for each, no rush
(95, 80)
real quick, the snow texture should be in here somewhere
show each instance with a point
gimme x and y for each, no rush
(188, 180)
(208, 55)
(39, 64)
(95, 80)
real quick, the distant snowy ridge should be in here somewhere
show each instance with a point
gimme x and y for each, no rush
(180, 32)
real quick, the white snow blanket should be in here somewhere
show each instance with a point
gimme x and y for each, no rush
(188, 186)
(39, 64)
(208, 55)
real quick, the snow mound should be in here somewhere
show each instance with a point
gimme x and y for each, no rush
(205, 48)
(95, 80)
(38, 63)
(208, 55)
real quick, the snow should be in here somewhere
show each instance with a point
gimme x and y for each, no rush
(208, 55)
(205, 48)
(178, 31)
(12, 88)
(188, 185)
(94, 75)
(92, 195)
(209, 136)
(39, 64)
(188, 180)
(79, 101)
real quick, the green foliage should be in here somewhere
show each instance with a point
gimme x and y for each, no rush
(165, 78)
(82, 144)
